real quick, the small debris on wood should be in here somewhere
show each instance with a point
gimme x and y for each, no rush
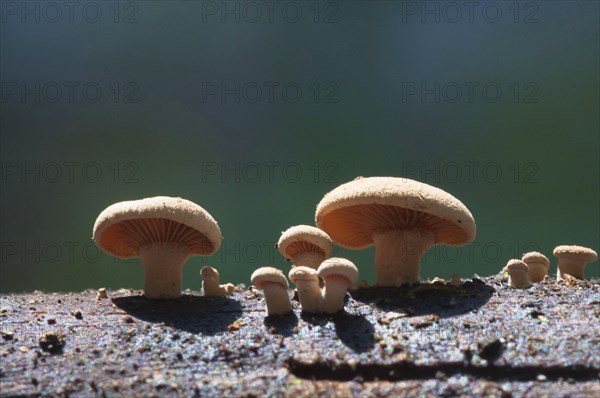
(52, 341)
(101, 293)
(424, 321)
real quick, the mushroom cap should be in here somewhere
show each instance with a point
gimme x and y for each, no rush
(209, 272)
(516, 265)
(304, 238)
(122, 228)
(536, 257)
(579, 252)
(353, 211)
(339, 266)
(268, 275)
(303, 273)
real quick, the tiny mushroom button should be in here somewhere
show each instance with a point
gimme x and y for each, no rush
(517, 274)
(537, 264)
(164, 232)
(305, 245)
(573, 259)
(339, 274)
(275, 285)
(307, 284)
(401, 217)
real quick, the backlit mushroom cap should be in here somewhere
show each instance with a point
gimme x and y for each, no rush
(517, 274)
(391, 212)
(573, 259)
(275, 285)
(164, 232)
(121, 229)
(305, 245)
(538, 265)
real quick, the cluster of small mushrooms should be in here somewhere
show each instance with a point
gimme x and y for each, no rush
(533, 266)
(402, 218)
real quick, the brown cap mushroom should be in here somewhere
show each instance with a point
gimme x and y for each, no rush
(517, 274)
(305, 245)
(275, 285)
(573, 259)
(164, 232)
(210, 283)
(339, 274)
(401, 217)
(537, 264)
(307, 284)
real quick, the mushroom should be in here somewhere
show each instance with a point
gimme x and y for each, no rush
(401, 217)
(307, 284)
(537, 264)
(275, 285)
(210, 283)
(455, 281)
(517, 274)
(164, 232)
(573, 259)
(305, 245)
(339, 275)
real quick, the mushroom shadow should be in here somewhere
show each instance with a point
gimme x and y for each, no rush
(195, 314)
(425, 299)
(354, 331)
(282, 324)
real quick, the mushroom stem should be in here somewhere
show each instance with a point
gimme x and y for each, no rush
(163, 267)
(537, 271)
(570, 266)
(398, 255)
(333, 293)
(277, 298)
(309, 259)
(309, 294)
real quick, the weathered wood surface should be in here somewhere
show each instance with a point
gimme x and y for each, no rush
(483, 338)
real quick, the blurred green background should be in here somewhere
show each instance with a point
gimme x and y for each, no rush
(496, 104)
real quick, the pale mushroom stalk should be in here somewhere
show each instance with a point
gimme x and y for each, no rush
(398, 255)
(309, 259)
(276, 296)
(571, 266)
(334, 293)
(339, 274)
(163, 269)
(306, 280)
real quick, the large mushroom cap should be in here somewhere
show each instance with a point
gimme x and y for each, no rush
(304, 238)
(353, 211)
(579, 252)
(121, 229)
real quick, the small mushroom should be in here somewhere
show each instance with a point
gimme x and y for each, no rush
(210, 283)
(164, 232)
(537, 264)
(573, 259)
(401, 217)
(305, 245)
(455, 280)
(307, 284)
(517, 274)
(339, 274)
(275, 285)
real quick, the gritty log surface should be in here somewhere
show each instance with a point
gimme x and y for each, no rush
(482, 338)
